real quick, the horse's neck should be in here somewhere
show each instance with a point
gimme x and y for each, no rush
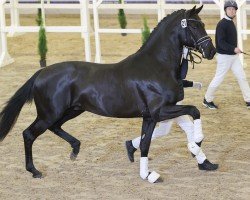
(168, 52)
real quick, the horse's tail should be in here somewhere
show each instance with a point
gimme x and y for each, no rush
(10, 112)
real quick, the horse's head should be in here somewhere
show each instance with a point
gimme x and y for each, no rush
(194, 35)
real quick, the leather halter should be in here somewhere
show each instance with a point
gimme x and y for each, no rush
(197, 42)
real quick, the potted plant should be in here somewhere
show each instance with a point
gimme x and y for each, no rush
(122, 19)
(145, 31)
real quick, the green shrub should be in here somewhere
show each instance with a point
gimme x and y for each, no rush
(122, 18)
(39, 17)
(42, 44)
(145, 31)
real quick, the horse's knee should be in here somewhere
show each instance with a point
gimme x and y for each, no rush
(195, 113)
(144, 150)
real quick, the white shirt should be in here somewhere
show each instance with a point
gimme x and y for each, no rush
(228, 18)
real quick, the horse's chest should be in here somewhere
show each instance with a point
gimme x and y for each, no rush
(173, 92)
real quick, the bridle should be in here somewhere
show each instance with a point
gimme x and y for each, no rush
(197, 43)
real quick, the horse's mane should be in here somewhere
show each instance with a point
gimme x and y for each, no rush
(166, 21)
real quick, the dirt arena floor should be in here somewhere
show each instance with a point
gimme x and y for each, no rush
(102, 169)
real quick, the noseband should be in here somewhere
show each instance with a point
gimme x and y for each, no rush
(200, 41)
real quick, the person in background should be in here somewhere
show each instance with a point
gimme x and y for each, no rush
(227, 57)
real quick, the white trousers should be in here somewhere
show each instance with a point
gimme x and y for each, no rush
(224, 63)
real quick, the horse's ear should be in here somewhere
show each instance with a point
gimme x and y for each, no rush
(192, 11)
(198, 9)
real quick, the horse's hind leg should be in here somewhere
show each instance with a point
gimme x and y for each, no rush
(37, 128)
(75, 143)
(56, 128)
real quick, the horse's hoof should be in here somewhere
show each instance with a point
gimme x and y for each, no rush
(130, 150)
(73, 156)
(159, 180)
(206, 165)
(37, 175)
(154, 177)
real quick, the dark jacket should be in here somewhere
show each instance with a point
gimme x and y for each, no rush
(226, 37)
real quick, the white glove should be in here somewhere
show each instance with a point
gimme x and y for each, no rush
(197, 85)
(185, 52)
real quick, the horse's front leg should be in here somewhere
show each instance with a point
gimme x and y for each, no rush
(148, 126)
(169, 112)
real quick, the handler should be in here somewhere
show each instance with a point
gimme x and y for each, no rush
(228, 57)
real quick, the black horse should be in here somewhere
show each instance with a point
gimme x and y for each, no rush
(146, 84)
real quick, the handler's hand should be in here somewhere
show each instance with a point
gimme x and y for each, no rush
(237, 50)
(197, 85)
(185, 52)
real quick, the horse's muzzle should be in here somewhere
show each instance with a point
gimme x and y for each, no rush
(208, 51)
(212, 53)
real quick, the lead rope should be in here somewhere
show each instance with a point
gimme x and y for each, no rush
(246, 53)
(191, 55)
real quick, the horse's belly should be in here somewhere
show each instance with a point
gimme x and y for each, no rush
(114, 112)
(112, 106)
